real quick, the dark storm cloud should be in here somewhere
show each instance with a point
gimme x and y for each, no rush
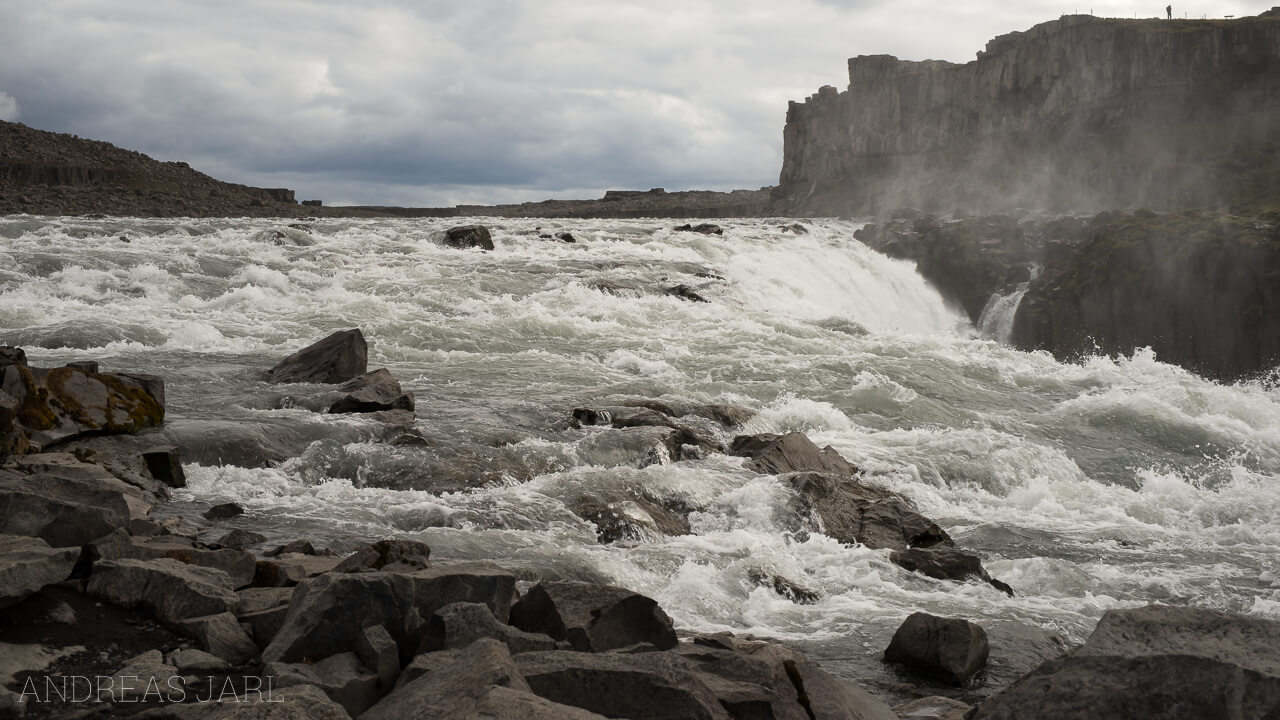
(440, 102)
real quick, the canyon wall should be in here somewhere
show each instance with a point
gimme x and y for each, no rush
(1078, 114)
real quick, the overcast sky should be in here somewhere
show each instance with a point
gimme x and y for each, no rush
(439, 102)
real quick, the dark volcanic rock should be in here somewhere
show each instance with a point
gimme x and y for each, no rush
(469, 236)
(372, 392)
(854, 513)
(39, 406)
(946, 563)
(951, 649)
(60, 508)
(165, 465)
(647, 686)
(10, 355)
(1157, 662)
(174, 591)
(28, 564)
(457, 625)
(703, 228)
(685, 292)
(238, 565)
(389, 555)
(793, 452)
(629, 518)
(337, 358)
(593, 618)
(786, 588)
(453, 689)
(223, 511)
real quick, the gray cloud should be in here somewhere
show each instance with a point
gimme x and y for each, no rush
(404, 102)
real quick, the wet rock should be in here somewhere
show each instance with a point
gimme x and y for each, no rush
(728, 416)
(945, 563)
(240, 539)
(854, 513)
(372, 392)
(1017, 649)
(591, 617)
(10, 355)
(628, 519)
(468, 236)
(302, 547)
(637, 447)
(328, 611)
(950, 649)
(61, 509)
(342, 677)
(390, 555)
(744, 685)
(796, 593)
(591, 416)
(337, 358)
(222, 635)
(27, 564)
(657, 686)
(290, 569)
(224, 511)
(457, 625)
(823, 696)
(1157, 662)
(684, 292)
(45, 406)
(794, 452)
(703, 228)
(454, 689)
(172, 590)
(796, 228)
(165, 465)
(934, 707)
(238, 565)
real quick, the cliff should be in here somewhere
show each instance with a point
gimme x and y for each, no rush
(46, 173)
(1077, 114)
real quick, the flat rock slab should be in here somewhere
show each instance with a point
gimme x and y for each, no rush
(172, 590)
(239, 565)
(28, 564)
(372, 392)
(593, 618)
(60, 509)
(49, 405)
(1157, 662)
(337, 358)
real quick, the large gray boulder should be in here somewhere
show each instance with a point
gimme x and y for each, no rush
(452, 689)
(469, 236)
(372, 392)
(626, 516)
(854, 513)
(342, 677)
(946, 563)
(40, 406)
(593, 618)
(1159, 663)
(222, 635)
(27, 564)
(950, 649)
(645, 686)
(172, 590)
(59, 508)
(337, 358)
(328, 613)
(388, 555)
(794, 452)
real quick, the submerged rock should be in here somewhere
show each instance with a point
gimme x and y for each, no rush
(372, 392)
(468, 236)
(794, 452)
(946, 563)
(950, 649)
(703, 228)
(593, 618)
(854, 513)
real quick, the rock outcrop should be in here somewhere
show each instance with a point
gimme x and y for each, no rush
(1077, 114)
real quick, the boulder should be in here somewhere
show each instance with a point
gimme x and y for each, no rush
(950, 649)
(240, 539)
(1017, 649)
(794, 452)
(27, 564)
(637, 447)
(172, 590)
(62, 510)
(302, 702)
(824, 696)
(703, 228)
(468, 236)
(224, 511)
(788, 589)
(854, 513)
(946, 563)
(934, 707)
(342, 677)
(647, 686)
(290, 569)
(328, 613)
(452, 689)
(591, 617)
(44, 406)
(222, 635)
(746, 686)
(501, 702)
(144, 675)
(302, 547)
(238, 565)
(10, 355)
(684, 292)
(372, 392)
(1157, 662)
(337, 358)
(377, 651)
(457, 625)
(628, 519)
(190, 661)
(389, 555)
(165, 465)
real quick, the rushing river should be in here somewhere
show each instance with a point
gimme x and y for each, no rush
(1089, 485)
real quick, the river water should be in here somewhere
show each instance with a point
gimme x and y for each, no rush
(1100, 483)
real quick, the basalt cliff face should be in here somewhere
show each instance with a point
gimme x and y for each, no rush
(1079, 114)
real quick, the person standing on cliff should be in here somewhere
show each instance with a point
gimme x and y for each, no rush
(1168, 10)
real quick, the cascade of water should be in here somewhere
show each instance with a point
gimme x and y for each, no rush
(996, 322)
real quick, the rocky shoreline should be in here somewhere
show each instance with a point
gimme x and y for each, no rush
(108, 609)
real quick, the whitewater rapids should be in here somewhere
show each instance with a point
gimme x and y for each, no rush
(1107, 482)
